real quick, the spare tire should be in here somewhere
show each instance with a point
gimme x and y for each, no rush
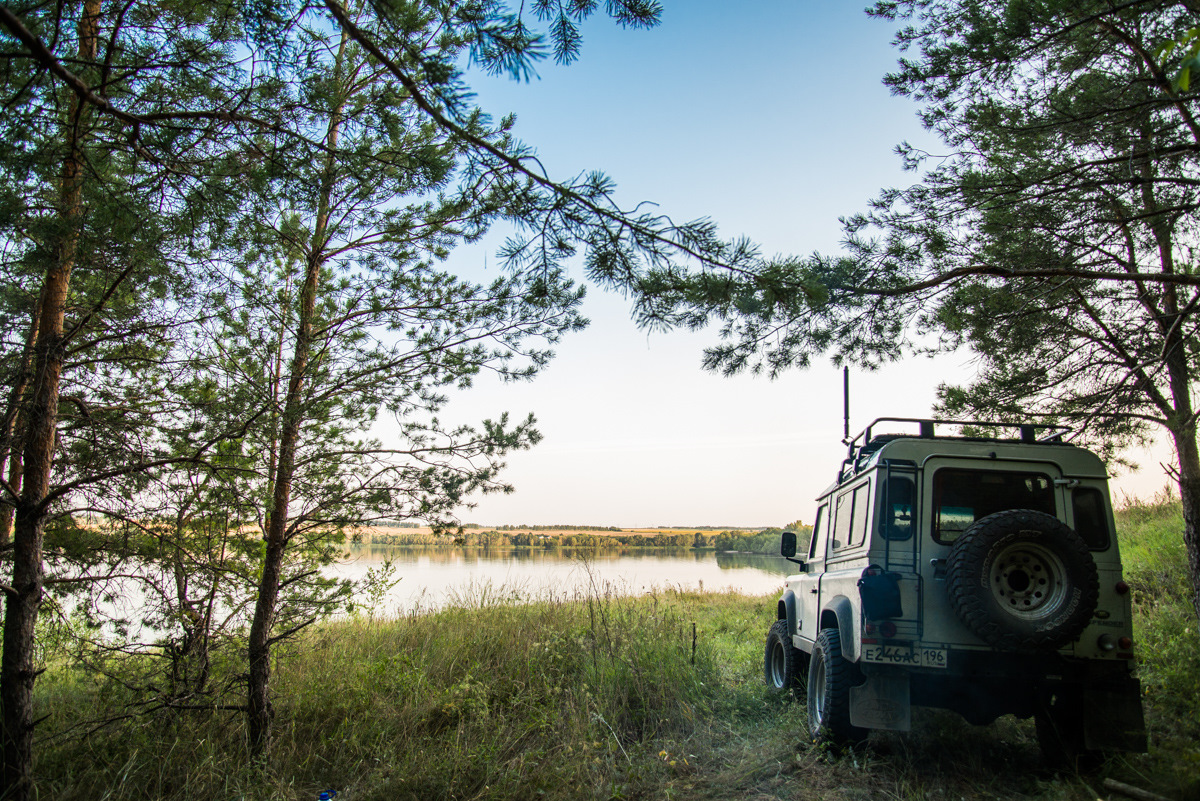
(1022, 581)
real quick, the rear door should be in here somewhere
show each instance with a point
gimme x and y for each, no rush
(956, 494)
(897, 548)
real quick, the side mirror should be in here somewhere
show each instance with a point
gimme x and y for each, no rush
(787, 549)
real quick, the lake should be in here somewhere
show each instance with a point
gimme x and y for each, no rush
(431, 578)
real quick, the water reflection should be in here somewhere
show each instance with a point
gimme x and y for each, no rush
(776, 565)
(433, 577)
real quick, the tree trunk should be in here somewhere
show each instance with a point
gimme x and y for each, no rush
(258, 702)
(17, 671)
(1189, 493)
(23, 598)
(25, 595)
(14, 424)
(1182, 422)
(258, 705)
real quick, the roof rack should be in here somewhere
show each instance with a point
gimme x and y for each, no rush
(1027, 431)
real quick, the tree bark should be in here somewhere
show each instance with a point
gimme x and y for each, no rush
(258, 701)
(1187, 455)
(17, 671)
(14, 424)
(1189, 494)
(258, 705)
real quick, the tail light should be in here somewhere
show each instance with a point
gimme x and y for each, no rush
(1126, 646)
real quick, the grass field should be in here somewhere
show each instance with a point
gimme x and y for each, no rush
(606, 698)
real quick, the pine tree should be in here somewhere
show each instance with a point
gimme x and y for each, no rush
(329, 118)
(93, 236)
(1054, 240)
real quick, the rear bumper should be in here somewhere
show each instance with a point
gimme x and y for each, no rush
(983, 685)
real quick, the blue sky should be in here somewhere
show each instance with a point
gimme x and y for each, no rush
(770, 118)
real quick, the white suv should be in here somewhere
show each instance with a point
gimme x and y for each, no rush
(974, 574)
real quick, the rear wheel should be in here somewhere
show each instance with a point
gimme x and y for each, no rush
(783, 665)
(829, 680)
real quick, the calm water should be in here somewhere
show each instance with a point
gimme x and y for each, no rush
(431, 578)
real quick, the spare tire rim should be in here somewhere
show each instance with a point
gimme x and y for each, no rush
(1028, 580)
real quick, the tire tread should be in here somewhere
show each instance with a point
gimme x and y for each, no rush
(968, 558)
(840, 676)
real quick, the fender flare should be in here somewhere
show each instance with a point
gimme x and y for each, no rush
(786, 610)
(839, 614)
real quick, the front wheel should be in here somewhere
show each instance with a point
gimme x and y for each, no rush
(829, 680)
(783, 664)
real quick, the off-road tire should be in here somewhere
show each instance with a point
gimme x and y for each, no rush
(785, 667)
(829, 680)
(1059, 727)
(1022, 581)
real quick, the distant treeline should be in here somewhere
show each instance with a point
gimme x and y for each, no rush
(765, 541)
(556, 528)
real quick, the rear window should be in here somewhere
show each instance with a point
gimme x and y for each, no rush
(960, 497)
(898, 508)
(1091, 517)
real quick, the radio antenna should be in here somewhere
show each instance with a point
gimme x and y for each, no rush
(846, 404)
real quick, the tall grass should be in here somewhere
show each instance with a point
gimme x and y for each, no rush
(1165, 628)
(499, 697)
(596, 695)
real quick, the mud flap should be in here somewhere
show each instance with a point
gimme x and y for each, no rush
(1112, 717)
(882, 702)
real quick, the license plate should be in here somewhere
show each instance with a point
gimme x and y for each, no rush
(905, 655)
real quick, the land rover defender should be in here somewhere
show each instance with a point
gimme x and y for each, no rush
(971, 573)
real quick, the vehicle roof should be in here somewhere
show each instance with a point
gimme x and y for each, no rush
(1071, 460)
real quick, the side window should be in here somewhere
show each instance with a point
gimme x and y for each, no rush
(852, 517)
(842, 521)
(960, 497)
(1091, 517)
(816, 549)
(898, 510)
(862, 518)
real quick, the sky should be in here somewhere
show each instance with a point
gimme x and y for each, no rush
(769, 117)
